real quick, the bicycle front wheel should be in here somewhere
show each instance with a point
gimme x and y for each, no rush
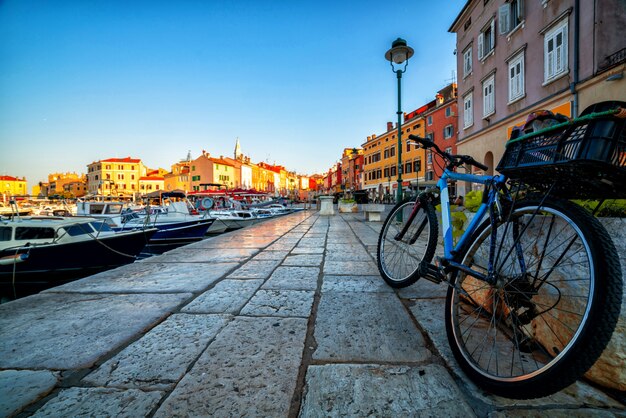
(551, 307)
(408, 238)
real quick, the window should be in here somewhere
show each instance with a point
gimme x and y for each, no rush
(5, 233)
(417, 165)
(448, 131)
(392, 152)
(407, 167)
(23, 233)
(393, 170)
(430, 175)
(467, 62)
(430, 136)
(510, 15)
(429, 157)
(429, 120)
(486, 40)
(468, 111)
(489, 100)
(555, 51)
(449, 150)
(386, 172)
(516, 77)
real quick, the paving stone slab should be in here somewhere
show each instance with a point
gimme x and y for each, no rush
(347, 253)
(19, 388)
(424, 289)
(227, 297)
(316, 234)
(271, 255)
(255, 269)
(304, 260)
(390, 334)
(350, 268)
(555, 413)
(72, 331)
(234, 241)
(312, 242)
(306, 250)
(160, 358)
(283, 303)
(429, 313)
(294, 234)
(204, 255)
(355, 284)
(249, 370)
(294, 278)
(343, 239)
(281, 246)
(100, 402)
(349, 390)
(151, 278)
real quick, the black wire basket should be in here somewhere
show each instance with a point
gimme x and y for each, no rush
(584, 158)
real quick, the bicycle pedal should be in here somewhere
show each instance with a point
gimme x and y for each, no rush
(431, 272)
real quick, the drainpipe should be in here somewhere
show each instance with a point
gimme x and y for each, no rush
(575, 80)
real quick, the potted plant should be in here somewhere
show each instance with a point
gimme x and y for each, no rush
(347, 206)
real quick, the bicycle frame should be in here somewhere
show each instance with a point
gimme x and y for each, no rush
(448, 244)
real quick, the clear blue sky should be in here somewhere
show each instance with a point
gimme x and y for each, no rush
(296, 81)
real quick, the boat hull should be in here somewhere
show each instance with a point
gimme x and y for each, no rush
(49, 265)
(177, 232)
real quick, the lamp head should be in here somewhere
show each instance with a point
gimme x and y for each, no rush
(399, 52)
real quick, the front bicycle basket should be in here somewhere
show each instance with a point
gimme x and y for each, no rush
(583, 158)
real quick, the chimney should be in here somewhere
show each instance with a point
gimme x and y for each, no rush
(389, 126)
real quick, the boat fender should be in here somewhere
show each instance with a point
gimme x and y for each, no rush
(206, 203)
(13, 259)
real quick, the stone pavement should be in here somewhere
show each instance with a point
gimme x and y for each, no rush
(285, 318)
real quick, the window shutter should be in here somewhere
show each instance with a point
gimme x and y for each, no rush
(492, 34)
(504, 17)
(480, 45)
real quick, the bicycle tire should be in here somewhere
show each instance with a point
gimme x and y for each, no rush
(399, 260)
(536, 338)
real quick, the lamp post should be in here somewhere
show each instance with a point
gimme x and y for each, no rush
(399, 55)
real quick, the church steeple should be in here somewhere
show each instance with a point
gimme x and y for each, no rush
(238, 154)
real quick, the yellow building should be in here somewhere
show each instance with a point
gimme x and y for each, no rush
(57, 182)
(151, 183)
(380, 166)
(12, 186)
(178, 178)
(264, 178)
(115, 177)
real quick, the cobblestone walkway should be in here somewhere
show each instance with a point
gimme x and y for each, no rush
(285, 318)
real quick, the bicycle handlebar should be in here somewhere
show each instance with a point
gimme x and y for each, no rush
(455, 160)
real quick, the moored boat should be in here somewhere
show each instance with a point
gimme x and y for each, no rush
(48, 251)
(175, 224)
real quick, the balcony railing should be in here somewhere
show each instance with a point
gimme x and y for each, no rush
(613, 60)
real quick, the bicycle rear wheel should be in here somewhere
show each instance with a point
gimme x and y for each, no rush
(552, 310)
(408, 237)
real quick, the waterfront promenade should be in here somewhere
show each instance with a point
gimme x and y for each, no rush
(285, 318)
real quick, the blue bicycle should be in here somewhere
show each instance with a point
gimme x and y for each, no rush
(534, 282)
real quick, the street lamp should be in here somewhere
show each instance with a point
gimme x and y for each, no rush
(399, 55)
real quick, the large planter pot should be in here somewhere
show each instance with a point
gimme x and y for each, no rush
(348, 207)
